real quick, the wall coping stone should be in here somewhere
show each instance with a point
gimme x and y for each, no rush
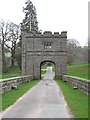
(81, 79)
(13, 78)
(7, 84)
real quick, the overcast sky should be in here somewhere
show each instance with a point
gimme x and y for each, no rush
(52, 15)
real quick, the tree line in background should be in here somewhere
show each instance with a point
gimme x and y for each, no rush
(76, 53)
(11, 42)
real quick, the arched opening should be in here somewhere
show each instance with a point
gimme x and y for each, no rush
(46, 66)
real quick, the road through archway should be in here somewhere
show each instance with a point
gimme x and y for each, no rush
(45, 100)
(47, 69)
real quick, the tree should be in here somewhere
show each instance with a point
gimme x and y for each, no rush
(30, 21)
(18, 54)
(72, 46)
(89, 51)
(11, 43)
(15, 36)
(9, 34)
(0, 58)
(4, 31)
(77, 53)
(85, 54)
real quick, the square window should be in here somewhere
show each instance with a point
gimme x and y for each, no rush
(46, 45)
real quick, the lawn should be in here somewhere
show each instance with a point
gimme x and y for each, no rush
(43, 71)
(11, 72)
(10, 97)
(53, 68)
(44, 66)
(0, 76)
(79, 70)
(77, 100)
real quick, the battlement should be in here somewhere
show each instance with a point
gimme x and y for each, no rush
(46, 34)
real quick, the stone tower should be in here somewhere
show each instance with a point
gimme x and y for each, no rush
(47, 47)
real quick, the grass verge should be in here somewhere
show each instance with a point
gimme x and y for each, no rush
(10, 97)
(42, 77)
(43, 71)
(79, 70)
(11, 72)
(44, 66)
(76, 100)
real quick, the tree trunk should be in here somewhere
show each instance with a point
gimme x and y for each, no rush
(3, 57)
(12, 59)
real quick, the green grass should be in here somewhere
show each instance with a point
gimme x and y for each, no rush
(0, 76)
(9, 76)
(43, 71)
(44, 66)
(11, 72)
(42, 77)
(79, 70)
(10, 97)
(77, 100)
(53, 68)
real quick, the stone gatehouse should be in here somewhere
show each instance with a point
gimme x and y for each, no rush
(38, 48)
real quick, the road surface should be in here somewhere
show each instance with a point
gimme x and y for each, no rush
(44, 100)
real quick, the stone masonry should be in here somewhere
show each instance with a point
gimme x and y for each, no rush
(38, 48)
(9, 83)
(80, 83)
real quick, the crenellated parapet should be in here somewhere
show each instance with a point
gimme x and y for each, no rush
(63, 34)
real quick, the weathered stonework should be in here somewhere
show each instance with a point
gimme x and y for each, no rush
(80, 83)
(7, 84)
(38, 48)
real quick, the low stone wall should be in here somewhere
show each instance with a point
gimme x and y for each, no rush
(80, 83)
(7, 84)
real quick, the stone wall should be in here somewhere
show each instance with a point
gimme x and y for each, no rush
(8, 84)
(80, 83)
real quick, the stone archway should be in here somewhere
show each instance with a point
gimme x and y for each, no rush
(48, 63)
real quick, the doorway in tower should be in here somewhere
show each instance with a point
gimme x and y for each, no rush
(47, 68)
